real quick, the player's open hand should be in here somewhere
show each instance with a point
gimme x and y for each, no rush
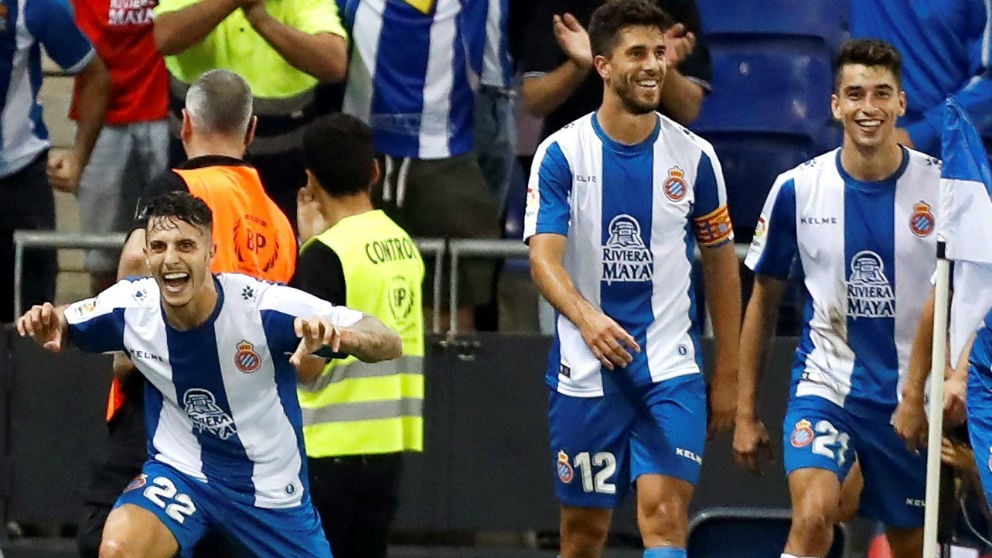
(910, 423)
(44, 323)
(314, 333)
(609, 343)
(573, 39)
(679, 44)
(752, 445)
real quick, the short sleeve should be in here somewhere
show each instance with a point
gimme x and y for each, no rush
(774, 246)
(320, 273)
(281, 305)
(548, 191)
(96, 325)
(52, 23)
(711, 218)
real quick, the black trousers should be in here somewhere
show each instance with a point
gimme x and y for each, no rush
(26, 202)
(356, 497)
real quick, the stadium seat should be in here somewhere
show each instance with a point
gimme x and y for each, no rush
(779, 86)
(747, 533)
(825, 20)
(750, 164)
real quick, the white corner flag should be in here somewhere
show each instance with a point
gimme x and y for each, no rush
(964, 235)
(965, 190)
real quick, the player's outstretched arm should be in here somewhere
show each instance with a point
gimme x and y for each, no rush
(46, 324)
(609, 342)
(368, 339)
(910, 417)
(750, 436)
(722, 281)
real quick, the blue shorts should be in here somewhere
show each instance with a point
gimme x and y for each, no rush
(189, 508)
(817, 433)
(601, 445)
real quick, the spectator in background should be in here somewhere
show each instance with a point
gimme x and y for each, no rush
(409, 81)
(133, 145)
(281, 48)
(495, 125)
(26, 200)
(358, 418)
(559, 85)
(946, 47)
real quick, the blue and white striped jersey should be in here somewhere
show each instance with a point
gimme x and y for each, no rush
(866, 251)
(632, 215)
(221, 406)
(488, 35)
(25, 26)
(408, 76)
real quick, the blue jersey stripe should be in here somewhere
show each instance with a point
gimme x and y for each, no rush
(399, 96)
(628, 202)
(199, 388)
(781, 244)
(555, 186)
(8, 48)
(869, 249)
(285, 377)
(695, 324)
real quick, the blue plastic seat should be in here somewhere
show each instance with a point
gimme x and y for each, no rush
(780, 86)
(825, 20)
(747, 533)
(751, 162)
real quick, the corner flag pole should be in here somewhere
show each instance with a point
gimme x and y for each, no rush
(936, 407)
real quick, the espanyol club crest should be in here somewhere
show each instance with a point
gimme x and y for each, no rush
(921, 222)
(802, 434)
(675, 186)
(136, 482)
(246, 359)
(565, 471)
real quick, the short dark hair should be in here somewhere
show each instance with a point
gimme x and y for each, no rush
(338, 150)
(616, 15)
(182, 206)
(868, 52)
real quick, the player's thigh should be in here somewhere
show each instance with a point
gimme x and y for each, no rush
(670, 430)
(817, 434)
(815, 493)
(590, 438)
(905, 543)
(165, 499)
(895, 477)
(275, 532)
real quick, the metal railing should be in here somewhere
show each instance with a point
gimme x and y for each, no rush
(455, 250)
(51, 240)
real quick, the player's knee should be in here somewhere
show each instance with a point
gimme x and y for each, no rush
(666, 519)
(584, 530)
(810, 522)
(113, 547)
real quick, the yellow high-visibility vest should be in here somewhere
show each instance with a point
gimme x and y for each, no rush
(357, 408)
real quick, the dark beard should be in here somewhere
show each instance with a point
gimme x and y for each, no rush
(632, 104)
